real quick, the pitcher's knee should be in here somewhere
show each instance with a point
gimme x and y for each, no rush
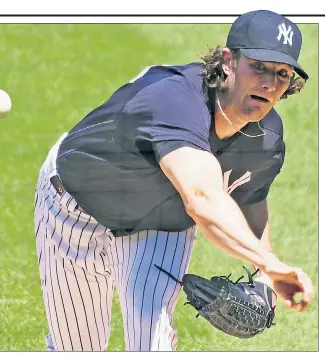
(75, 344)
(152, 331)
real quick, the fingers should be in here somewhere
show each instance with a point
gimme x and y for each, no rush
(300, 283)
(302, 306)
(307, 287)
(289, 303)
(297, 306)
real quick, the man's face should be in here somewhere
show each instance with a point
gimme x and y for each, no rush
(255, 86)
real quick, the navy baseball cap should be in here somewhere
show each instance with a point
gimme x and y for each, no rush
(267, 36)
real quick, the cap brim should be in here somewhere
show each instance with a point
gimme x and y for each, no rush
(268, 55)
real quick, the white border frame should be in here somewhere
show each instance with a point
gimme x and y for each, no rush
(168, 7)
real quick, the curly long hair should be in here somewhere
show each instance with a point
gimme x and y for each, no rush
(215, 77)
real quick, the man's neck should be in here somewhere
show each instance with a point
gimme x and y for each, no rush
(227, 122)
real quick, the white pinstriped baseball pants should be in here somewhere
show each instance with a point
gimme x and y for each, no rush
(81, 263)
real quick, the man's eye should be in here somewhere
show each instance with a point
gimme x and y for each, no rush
(283, 74)
(258, 66)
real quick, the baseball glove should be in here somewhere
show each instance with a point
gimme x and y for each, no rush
(240, 309)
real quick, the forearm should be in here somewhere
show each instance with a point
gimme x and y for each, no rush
(224, 225)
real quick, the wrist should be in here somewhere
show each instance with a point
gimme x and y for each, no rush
(262, 276)
(270, 266)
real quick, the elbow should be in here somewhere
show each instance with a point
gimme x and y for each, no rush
(192, 202)
(191, 209)
(199, 205)
(197, 209)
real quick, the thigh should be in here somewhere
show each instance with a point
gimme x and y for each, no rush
(76, 280)
(148, 296)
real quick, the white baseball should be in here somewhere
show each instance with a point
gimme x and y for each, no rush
(5, 104)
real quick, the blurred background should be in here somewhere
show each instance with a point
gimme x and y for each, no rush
(55, 74)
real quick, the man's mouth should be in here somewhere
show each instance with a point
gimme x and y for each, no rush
(259, 98)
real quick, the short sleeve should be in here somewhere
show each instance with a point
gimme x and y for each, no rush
(179, 114)
(164, 147)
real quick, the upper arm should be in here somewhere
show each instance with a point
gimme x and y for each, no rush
(193, 172)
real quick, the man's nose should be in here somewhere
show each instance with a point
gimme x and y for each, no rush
(269, 82)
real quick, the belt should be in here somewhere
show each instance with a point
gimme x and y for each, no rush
(57, 184)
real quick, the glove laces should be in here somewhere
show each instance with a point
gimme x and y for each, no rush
(250, 277)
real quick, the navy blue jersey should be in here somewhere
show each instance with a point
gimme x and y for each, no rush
(109, 162)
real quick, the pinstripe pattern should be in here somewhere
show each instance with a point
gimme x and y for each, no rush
(81, 263)
(148, 297)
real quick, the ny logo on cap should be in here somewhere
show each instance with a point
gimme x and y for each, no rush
(286, 33)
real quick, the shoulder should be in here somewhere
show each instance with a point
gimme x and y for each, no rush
(270, 145)
(169, 89)
(153, 78)
(272, 122)
(272, 127)
(162, 74)
(273, 140)
(173, 107)
(170, 82)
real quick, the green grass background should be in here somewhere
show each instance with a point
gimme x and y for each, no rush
(55, 74)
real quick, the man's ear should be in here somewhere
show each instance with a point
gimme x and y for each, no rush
(228, 61)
